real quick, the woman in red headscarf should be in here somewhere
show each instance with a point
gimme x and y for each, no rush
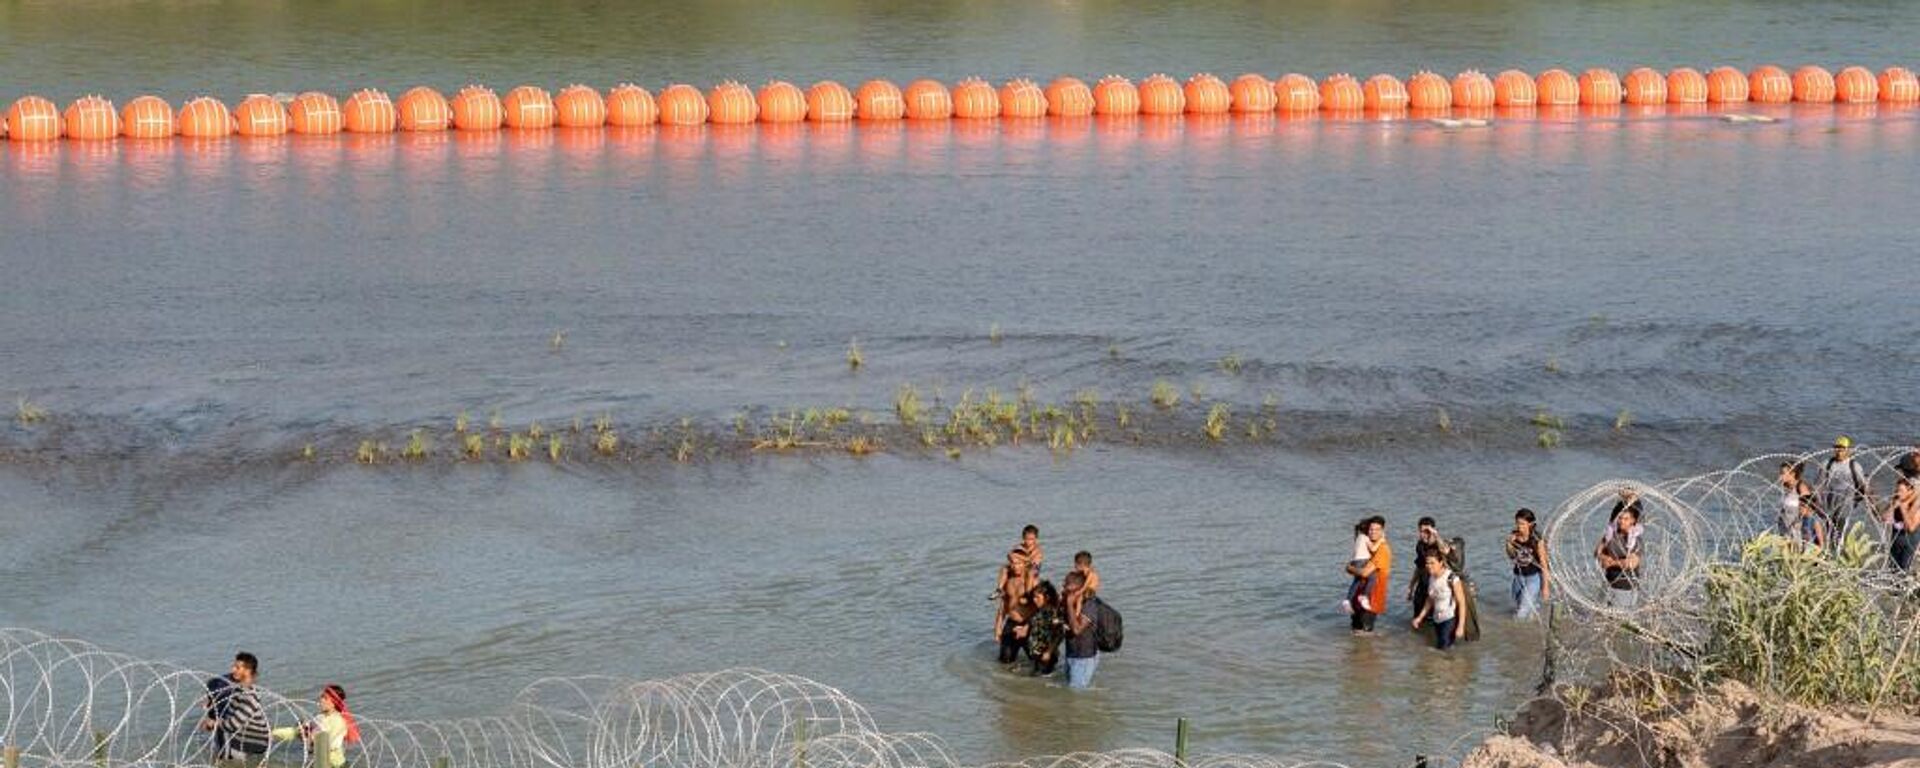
(334, 727)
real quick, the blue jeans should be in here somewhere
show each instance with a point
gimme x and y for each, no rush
(1080, 671)
(1526, 595)
(1443, 632)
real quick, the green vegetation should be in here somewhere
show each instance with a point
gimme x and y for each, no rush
(1216, 424)
(1231, 364)
(906, 405)
(1622, 420)
(27, 413)
(417, 446)
(1164, 395)
(854, 358)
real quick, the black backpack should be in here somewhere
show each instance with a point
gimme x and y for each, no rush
(1107, 630)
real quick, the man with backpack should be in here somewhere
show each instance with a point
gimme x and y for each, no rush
(1843, 486)
(1092, 628)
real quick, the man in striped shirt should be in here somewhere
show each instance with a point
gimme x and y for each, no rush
(234, 716)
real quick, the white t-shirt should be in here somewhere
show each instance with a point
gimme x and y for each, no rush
(1440, 596)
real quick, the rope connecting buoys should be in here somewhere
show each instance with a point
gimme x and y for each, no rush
(530, 107)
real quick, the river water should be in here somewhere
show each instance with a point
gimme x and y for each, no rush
(191, 315)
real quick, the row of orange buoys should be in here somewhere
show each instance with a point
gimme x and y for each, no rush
(478, 108)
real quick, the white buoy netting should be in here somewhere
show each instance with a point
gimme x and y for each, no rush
(70, 703)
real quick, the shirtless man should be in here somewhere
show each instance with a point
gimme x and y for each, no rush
(1016, 580)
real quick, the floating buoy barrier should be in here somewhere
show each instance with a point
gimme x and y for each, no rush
(91, 118)
(1205, 94)
(476, 108)
(1069, 97)
(424, 109)
(1433, 97)
(829, 102)
(928, 100)
(1726, 85)
(1341, 93)
(32, 118)
(1514, 88)
(974, 99)
(629, 105)
(369, 110)
(527, 107)
(260, 115)
(1162, 95)
(1116, 96)
(147, 117)
(1296, 93)
(578, 106)
(1022, 98)
(781, 102)
(205, 118)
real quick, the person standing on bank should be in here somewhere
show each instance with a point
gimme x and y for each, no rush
(1379, 569)
(1903, 522)
(334, 726)
(1446, 597)
(235, 717)
(1083, 645)
(1532, 579)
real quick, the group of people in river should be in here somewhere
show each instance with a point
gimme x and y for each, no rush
(1818, 511)
(1054, 627)
(237, 727)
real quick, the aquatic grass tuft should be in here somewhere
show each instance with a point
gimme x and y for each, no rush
(417, 447)
(1444, 420)
(519, 447)
(474, 447)
(861, 445)
(460, 422)
(495, 421)
(906, 405)
(1164, 394)
(558, 341)
(369, 452)
(1122, 415)
(993, 334)
(1113, 351)
(1622, 420)
(684, 452)
(1062, 440)
(607, 442)
(1548, 439)
(534, 431)
(854, 358)
(27, 413)
(1546, 420)
(603, 422)
(1231, 364)
(556, 448)
(307, 452)
(1216, 424)
(1553, 365)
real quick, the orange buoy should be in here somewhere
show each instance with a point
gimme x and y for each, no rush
(1813, 85)
(368, 110)
(1599, 86)
(1384, 93)
(630, 105)
(781, 102)
(973, 98)
(1472, 89)
(731, 103)
(1021, 97)
(260, 115)
(1116, 95)
(682, 104)
(578, 106)
(314, 112)
(204, 118)
(1206, 94)
(424, 109)
(1252, 93)
(1686, 86)
(1341, 93)
(1644, 87)
(1295, 92)
(147, 117)
(1853, 85)
(1726, 85)
(829, 102)
(91, 118)
(1769, 84)
(1426, 90)
(1514, 88)
(527, 106)
(928, 100)
(476, 108)
(879, 100)
(1898, 85)
(1069, 97)
(1162, 95)
(1557, 88)
(32, 118)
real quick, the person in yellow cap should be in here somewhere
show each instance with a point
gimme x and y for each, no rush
(1843, 485)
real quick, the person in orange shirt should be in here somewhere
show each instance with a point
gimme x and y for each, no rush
(1378, 570)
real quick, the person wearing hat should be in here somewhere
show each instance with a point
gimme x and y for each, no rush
(1843, 485)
